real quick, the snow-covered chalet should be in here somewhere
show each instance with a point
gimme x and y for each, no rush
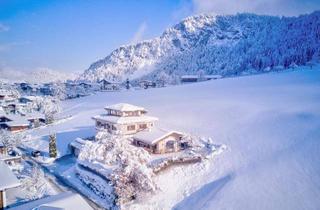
(131, 120)
(124, 119)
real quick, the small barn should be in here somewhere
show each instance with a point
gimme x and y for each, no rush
(189, 78)
(159, 141)
(109, 85)
(147, 84)
(85, 85)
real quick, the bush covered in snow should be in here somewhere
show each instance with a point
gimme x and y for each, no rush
(124, 165)
(34, 183)
(9, 139)
(99, 186)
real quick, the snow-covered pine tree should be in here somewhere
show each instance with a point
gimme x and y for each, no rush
(53, 146)
(127, 84)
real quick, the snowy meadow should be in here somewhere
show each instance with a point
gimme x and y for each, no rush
(270, 124)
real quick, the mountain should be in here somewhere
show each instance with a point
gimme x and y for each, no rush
(41, 75)
(225, 45)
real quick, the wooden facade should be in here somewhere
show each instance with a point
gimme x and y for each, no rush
(124, 129)
(2, 200)
(18, 128)
(172, 142)
(3, 150)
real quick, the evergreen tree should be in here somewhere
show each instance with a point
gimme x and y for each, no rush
(127, 84)
(52, 145)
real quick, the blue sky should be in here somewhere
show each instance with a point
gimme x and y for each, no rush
(68, 35)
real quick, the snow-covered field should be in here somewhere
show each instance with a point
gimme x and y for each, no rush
(270, 124)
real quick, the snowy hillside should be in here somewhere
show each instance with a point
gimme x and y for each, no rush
(42, 75)
(270, 124)
(226, 45)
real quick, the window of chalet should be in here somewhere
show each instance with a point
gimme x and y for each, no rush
(143, 126)
(131, 127)
(170, 144)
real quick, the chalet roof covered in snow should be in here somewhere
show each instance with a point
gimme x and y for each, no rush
(35, 115)
(16, 120)
(20, 122)
(216, 76)
(154, 135)
(189, 77)
(210, 76)
(30, 98)
(124, 107)
(125, 120)
(8, 179)
(66, 201)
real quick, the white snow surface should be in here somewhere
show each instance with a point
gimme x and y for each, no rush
(270, 124)
(124, 107)
(8, 179)
(66, 201)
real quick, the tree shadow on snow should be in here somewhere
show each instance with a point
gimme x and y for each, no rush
(201, 197)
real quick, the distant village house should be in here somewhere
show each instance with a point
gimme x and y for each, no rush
(147, 84)
(198, 78)
(8, 180)
(109, 85)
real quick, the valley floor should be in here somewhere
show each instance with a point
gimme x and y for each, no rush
(270, 124)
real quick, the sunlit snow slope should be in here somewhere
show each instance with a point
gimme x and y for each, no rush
(270, 123)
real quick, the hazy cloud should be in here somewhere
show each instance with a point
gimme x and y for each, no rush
(8, 46)
(4, 28)
(139, 34)
(184, 9)
(269, 7)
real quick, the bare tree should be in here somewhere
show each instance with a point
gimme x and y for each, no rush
(35, 184)
(9, 139)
